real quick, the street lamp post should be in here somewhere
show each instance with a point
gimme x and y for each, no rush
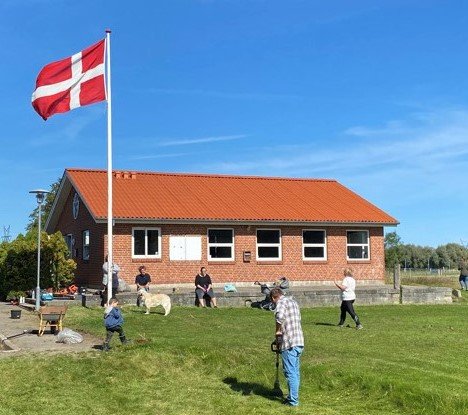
(40, 195)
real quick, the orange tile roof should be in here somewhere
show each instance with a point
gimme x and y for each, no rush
(203, 197)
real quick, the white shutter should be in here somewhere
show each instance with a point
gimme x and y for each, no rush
(193, 248)
(176, 248)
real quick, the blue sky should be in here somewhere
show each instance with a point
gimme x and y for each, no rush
(373, 94)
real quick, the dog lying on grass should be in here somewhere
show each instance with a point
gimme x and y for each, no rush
(153, 300)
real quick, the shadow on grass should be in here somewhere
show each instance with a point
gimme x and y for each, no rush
(249, 388)
(325, 324)
(142, 310)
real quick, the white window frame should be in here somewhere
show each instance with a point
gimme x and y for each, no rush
(86, 245)
(362, 245)
(324, 246)
(209, 245)
(146, 229)
(280, 252)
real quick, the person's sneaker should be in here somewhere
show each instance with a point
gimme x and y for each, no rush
(359, 327)
(105, 348)
(340, 326)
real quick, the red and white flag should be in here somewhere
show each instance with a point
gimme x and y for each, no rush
(71, 83)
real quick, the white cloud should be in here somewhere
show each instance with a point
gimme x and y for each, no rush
(417, 160)
(69, 128)
(158, 156)
(430, 142)
(190, 141)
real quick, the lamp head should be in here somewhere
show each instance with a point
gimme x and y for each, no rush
(40, 194)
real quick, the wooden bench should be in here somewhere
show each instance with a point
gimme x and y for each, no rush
(51, 316)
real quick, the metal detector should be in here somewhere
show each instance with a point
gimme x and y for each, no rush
(275, 347)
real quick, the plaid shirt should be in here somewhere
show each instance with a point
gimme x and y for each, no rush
(287, 314)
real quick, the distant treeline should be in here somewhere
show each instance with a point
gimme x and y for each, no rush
(415, 256)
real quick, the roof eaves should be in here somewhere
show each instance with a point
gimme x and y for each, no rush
(59, 199)
(227, 221)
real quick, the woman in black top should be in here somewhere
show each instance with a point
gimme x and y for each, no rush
(203, 286)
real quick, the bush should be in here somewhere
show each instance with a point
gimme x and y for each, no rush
(18, 263)
(15, 295)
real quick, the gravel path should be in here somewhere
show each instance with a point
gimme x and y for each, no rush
(24, 339)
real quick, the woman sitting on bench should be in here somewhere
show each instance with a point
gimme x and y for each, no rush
(203, 287)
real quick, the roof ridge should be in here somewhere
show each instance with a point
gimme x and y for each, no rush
(207, 175)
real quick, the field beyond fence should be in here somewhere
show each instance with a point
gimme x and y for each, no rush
(430, 277)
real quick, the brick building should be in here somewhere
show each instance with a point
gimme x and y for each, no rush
(241, 228)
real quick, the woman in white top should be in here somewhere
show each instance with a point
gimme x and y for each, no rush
(348, 296)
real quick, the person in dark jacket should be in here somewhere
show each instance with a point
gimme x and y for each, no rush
(203, 286)
(113, 321)
(142, 281)
(463, 279)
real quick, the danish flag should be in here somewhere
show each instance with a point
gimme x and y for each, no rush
(71, 83)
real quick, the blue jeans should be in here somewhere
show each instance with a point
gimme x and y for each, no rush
(291, 369)
(463, 282)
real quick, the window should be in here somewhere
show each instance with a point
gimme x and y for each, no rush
(314, 245)
(70, 241)
(146, 242)
(268, 245)
(221, 244)
(357, 244)
(86, 245)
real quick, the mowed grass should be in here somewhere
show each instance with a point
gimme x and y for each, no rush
(407, 360)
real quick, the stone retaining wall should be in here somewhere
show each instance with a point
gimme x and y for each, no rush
(305, 296)
(425, 295)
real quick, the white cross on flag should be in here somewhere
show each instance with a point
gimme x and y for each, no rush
(71, 83)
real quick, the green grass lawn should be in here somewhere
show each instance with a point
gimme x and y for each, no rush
(407, 360)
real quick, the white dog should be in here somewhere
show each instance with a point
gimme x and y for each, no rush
(153, 300)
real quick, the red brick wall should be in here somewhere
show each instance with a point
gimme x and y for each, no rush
(87, 272)
(292, 265)
(164, 271)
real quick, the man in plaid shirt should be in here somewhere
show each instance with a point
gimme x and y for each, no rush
(288, 327)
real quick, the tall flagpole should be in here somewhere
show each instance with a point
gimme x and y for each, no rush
(110, 259)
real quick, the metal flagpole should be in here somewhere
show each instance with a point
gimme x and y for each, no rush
(110, 259)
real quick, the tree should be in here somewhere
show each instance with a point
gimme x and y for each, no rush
(18, 263)
(423, 257)
(46, 207)
(444, 258)
(456, 253)
(393, 252)
(392, 239)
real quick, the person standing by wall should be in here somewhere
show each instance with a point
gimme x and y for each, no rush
(105, 279)
(288, 328)
(203, 286)
(463, 279)
(348, 296)
(142, 281)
